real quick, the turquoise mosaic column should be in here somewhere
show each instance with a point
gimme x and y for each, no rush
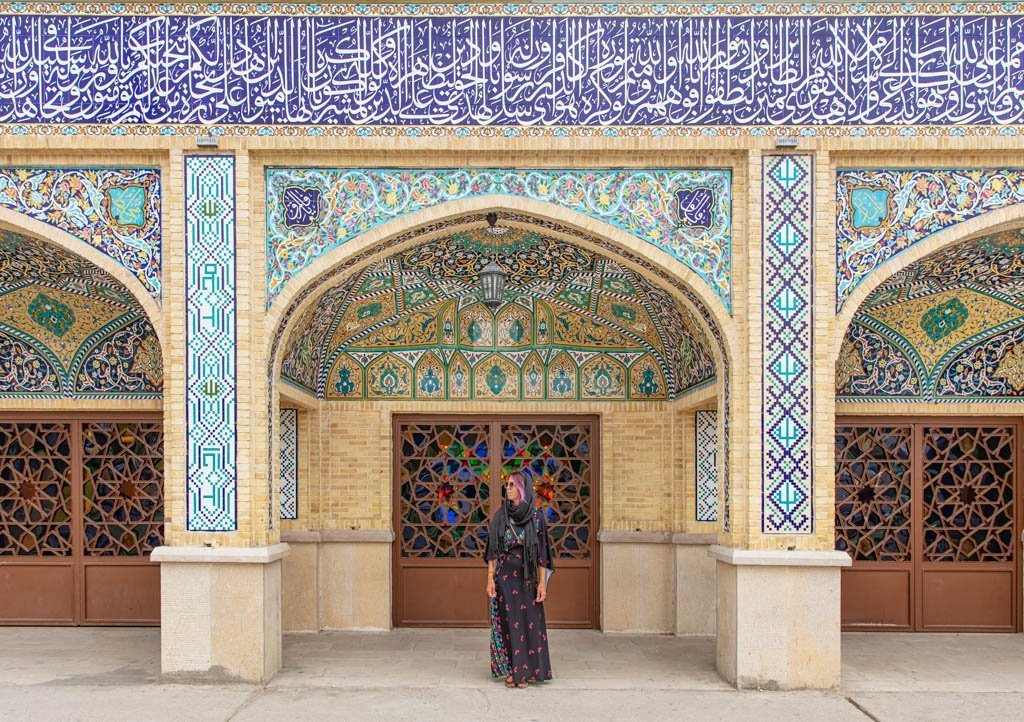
(787, 344)
(211, 344)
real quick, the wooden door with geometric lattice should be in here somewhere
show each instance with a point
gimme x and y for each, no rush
(81, 508)
(444, 496)
(929, 511)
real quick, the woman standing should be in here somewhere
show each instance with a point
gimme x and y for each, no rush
(518, 567)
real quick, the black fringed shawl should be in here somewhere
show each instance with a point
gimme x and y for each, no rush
(519, 516)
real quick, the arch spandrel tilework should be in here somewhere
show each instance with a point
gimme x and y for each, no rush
(881, 213)
(949, 327)
(575, 325)
(114, 210)
(685, 213)
(67, 329)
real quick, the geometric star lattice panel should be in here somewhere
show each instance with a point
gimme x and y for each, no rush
(948, 327)
(574, 326)
(873, 492)
(880, 213)
(557, 459)
(36, 514)
(289, 463)
(122, 488)
(707, 465)
(210, 360)
(787, 344)
(444, 490)
(69, 330)
(682, 212)
(114, 210)
(967, 494)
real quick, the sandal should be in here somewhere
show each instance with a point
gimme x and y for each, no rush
(522, 685)
(509, 682)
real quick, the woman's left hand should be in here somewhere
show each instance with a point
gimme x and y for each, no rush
(542, 593)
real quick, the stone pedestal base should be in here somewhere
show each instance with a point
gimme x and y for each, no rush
(220, 612)
(778, 618)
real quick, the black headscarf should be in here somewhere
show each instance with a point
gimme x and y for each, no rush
(520, 518)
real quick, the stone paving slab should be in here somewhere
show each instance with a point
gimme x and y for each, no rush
(113, 674)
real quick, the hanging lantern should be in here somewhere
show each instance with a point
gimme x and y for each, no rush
(492, 285)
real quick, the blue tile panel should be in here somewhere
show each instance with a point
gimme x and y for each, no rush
(787, 343)
(493, 70)
(211, 343)
(289, 464)
(707, 465)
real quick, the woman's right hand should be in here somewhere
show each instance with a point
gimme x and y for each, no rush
(492, 589)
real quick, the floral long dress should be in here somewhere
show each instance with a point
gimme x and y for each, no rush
(519, 634)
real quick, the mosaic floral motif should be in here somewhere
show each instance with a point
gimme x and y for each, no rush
(640, 202)
(870, 365)
(128, 360)
(115, 210)
(23, 370)
(991, 369)
(883, 212)
(68, 329)
(636, 326)
(947, 327)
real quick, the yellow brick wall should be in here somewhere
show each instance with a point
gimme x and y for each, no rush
(335, 435)
(346, 477)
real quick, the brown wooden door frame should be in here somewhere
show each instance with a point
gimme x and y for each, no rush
(78, 561)
(917, 564)
(495, 422)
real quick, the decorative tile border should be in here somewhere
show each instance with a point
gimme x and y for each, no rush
(289, 463)
(787, 344)
(841, 8)
(685, 213)
(211, 343)
(114, 210)
(572, 65)
(707, 465)
(880, 213)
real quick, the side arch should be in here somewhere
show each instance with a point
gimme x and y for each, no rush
(1003, 219)
(37, 230)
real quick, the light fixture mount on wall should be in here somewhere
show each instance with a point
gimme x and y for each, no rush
(492, 225)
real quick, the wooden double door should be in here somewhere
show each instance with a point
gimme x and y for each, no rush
(81, 508)
(929, 511)
(448, 481)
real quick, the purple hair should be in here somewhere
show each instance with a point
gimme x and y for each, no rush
(519, 479)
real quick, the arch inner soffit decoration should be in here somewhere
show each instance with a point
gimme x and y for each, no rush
(947, 327)
(68, 329)
(575, 324)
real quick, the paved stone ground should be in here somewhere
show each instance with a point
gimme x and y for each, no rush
(113, 674)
